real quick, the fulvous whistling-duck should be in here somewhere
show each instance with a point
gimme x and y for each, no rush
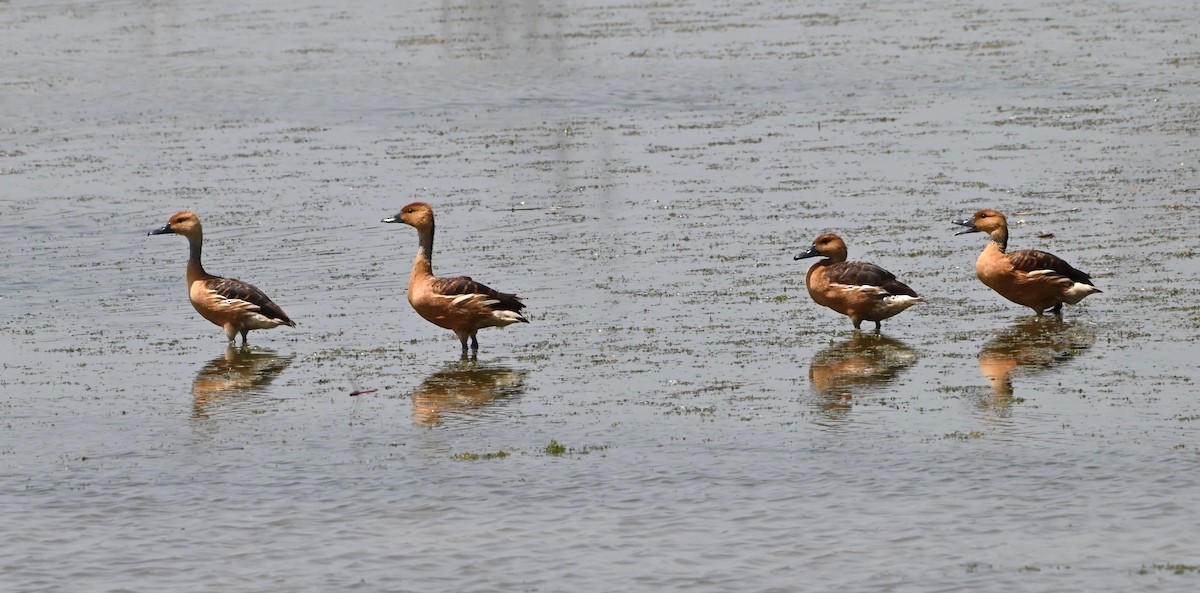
(459, 304)
(856, 289)
(232, 304)
(1029, 277)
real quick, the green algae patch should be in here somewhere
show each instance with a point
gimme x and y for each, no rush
(467, 456)
(963, 436)
(555, 448)
(1171, 568)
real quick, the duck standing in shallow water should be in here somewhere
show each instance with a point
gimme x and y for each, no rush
(459, 304)
(859, 290)
(1029, 277)
(232, 304)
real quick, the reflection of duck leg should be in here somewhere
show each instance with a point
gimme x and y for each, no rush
(997, 370)
(238, 371)
(463, 386)
(1031, 346)
(864, 362)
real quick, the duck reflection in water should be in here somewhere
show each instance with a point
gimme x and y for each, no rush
(853, 367)
(1029, 347)
(239, 372)
(463, 386)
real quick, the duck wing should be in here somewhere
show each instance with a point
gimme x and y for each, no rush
(1032, 261)
(859, 273)
(463, 286)
(232, 289)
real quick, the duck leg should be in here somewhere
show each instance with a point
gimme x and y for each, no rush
(465, 337)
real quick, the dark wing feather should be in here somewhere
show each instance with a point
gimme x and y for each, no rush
(465, 285)
(231, 288)
(1030, 260)
(858, 273)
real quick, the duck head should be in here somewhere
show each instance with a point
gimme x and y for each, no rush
(828, 245)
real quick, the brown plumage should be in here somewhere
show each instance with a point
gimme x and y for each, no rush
(859, 290)
(459, 304)
(236, 306)
(1029, 277)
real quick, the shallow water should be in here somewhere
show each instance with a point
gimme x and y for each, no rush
(642, 174)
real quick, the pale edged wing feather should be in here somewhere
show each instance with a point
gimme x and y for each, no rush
(236, 290)
(464, 289)
(1034, 262)
(857, 273)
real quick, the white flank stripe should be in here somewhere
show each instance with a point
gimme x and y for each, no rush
(507, 316)
(1077, 291)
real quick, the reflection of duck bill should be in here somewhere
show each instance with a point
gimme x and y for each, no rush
(1029, 347)
(238, 371)
(862, 362)
(463, 387)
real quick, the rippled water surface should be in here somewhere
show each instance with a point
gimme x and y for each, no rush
(678, 415)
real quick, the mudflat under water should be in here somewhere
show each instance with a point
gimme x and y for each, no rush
(679, 415)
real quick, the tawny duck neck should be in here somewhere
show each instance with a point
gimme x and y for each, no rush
(195, 270)
(423, 265)
(1000, 238)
